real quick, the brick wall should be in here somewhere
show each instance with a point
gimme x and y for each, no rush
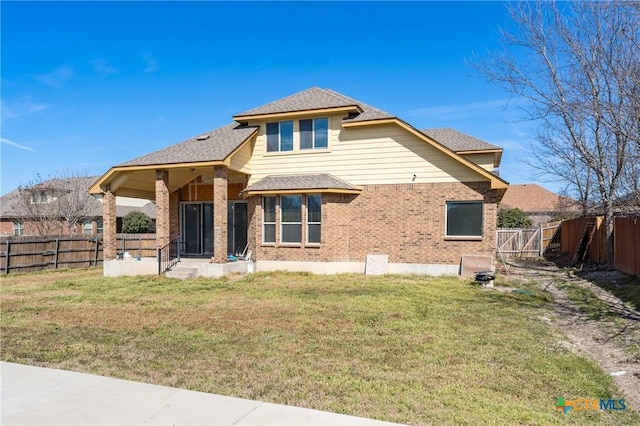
(407, 222)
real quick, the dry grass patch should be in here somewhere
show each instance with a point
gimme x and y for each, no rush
(406, 349)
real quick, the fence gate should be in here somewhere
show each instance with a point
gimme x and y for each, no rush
(526, 242)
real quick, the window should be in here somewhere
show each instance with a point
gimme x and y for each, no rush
(87, 227)
(269, 220)
(314, 134)
(99, 226)
(280, 136)
(18, 228)
(464, 219)
(291, 218)
(314, 218)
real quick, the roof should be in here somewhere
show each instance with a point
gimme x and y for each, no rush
(10, 203)
(215, 145)
(530, 198)
(321, 182)
(316, 98)
(458, 141)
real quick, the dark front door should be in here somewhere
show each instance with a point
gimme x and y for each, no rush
(197, 229)
(236, 227)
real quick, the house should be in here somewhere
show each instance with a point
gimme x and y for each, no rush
(317, 181)
(60, 206)
(539, 203)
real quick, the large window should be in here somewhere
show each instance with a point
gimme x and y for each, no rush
(18, 228)
(464, 219)
(291, 218)
(269, 220)
(280, 136)
(314, 218)
(314, 134)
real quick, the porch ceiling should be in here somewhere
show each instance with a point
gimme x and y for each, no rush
(140, 182)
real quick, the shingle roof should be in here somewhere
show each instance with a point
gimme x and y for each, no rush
(214, 145)
(317, 98)
(301, 182)
(530, 198)
(458, 141)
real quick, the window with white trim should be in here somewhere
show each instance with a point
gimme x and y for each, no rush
(314, 218)
(291, 219)
(280, 136)
(464, 219)
(314, 133)
(18, 228)
(269, 219)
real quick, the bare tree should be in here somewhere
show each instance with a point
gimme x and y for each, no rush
(576, 65)
(58, 205)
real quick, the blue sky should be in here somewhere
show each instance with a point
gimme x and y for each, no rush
(86, 86)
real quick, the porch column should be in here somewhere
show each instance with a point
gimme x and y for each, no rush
(162, 208)
(108, 225)
(220, 214)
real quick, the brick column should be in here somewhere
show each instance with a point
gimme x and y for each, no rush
(162, 208)
(174, 215)
(220, 214)
(108, 225)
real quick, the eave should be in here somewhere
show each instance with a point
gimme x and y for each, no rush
(247, 194)
(299, 113)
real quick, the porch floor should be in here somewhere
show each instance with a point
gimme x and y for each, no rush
(191, 267)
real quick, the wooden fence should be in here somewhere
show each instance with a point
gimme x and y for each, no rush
(584, 238)
(29, 254)
(528, 242)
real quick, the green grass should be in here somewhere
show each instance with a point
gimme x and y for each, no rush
(587, 301)
(627, 290)
(405, 349)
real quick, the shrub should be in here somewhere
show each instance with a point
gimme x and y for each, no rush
(135, 223)
(514, 218)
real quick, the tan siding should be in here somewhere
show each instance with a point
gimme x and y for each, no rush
(483, 160)
(385, 154)
(241, 160)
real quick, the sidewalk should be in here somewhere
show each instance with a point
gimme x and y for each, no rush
(34, 395)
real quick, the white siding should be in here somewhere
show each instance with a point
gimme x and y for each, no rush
(241, 159)
(483, 160)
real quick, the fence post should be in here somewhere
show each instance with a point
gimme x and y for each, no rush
(541, 240)
(6, 262)
(55, 257)
(95, 256)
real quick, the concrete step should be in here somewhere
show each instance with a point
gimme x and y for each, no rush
(182, 272)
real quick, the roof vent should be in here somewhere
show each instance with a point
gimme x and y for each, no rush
(352, 114)
(203, 137)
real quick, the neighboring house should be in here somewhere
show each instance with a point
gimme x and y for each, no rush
(49, 200)
(317, 181)
(539, 203)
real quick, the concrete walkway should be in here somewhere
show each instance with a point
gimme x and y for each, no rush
(44, 396)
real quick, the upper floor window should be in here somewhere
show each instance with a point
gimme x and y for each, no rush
(18, 228)
(464, 219)
(42, 197)
(314, 133)
(280, 136)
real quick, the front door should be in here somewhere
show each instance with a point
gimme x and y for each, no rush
(197, 229)
(236, 227)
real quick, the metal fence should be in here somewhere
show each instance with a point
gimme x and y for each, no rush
(29, 254)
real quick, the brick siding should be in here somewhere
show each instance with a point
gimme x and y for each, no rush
(406, 221)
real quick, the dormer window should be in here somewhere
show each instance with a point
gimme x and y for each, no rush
(314, 133)
(280, 136)
(42, 197)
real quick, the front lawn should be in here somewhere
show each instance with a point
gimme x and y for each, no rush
(405, 349)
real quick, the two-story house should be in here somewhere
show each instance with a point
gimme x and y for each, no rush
(317, 181)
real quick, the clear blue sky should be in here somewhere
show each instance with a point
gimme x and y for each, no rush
(86, 86)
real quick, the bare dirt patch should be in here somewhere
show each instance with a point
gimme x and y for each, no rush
(612, 341)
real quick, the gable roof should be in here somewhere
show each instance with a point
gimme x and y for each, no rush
(215, 145)
(458, 141)
(322, 182)
(316, 98)
(530, 198)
